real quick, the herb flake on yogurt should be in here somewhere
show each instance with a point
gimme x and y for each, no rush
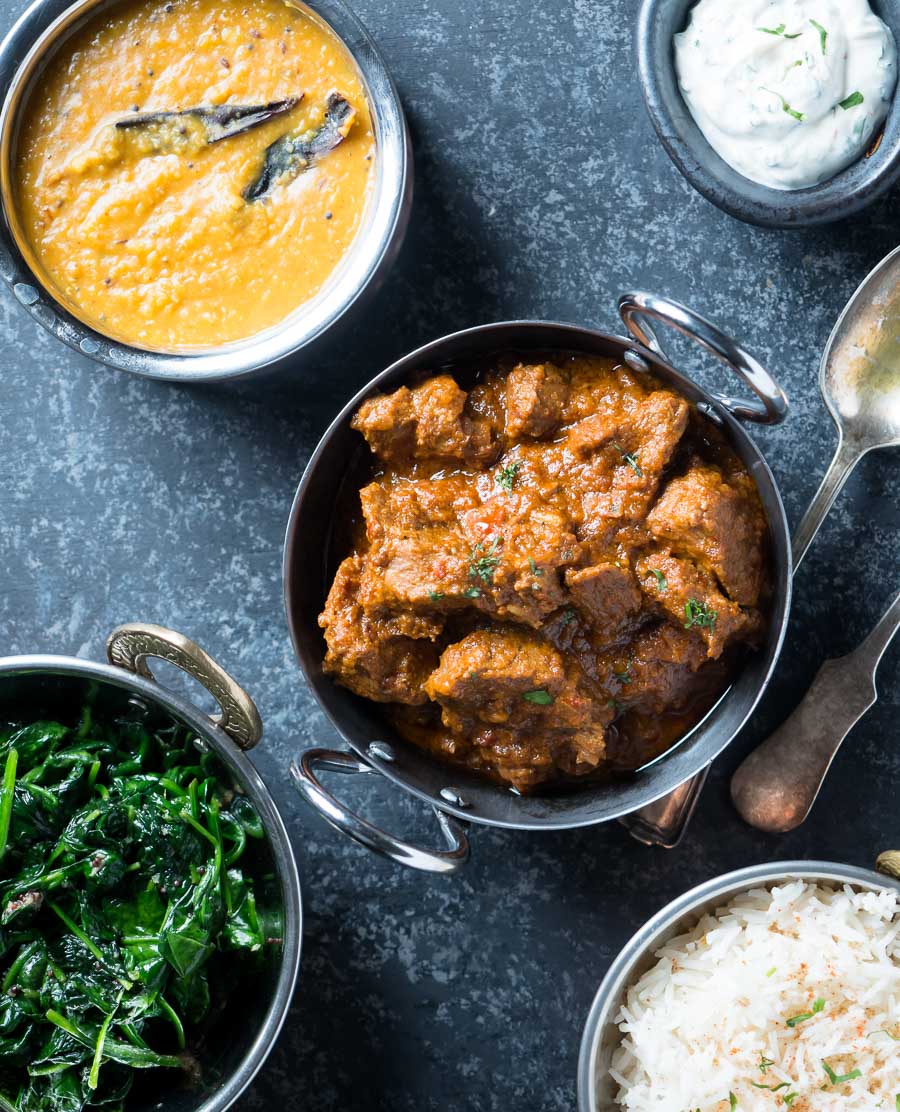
(787, 92)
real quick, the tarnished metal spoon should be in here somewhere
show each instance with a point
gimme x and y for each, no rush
(775, 788)
(860, 382)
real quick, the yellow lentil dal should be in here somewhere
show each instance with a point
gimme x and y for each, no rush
(146, 235)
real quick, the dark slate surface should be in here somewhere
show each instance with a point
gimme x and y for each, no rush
(541, 191)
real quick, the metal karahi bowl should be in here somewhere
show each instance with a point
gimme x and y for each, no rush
(596, 1089)
(317, 540)
(246, 1031)
(24, 54)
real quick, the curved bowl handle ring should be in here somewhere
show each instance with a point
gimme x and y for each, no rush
(130, 646)
(636, 309)
(303, 771)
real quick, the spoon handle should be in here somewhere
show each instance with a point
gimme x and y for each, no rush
(846, 458)
(776, 786)
(875, 645)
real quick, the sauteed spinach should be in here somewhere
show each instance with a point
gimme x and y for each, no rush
(120, 880)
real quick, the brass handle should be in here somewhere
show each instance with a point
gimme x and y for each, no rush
(130, 646)
(889, 863)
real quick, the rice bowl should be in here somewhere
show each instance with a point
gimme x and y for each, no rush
(788, 997)
(773, 987)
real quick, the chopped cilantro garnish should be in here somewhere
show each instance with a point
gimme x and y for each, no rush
(764, 1064)
(732, 1101)
(483, 563)
(435, 596)
(506, 476)
(624, 677)
(699, 614)
(852, 101)
(541, 697)
(818, 1006)
(840, 1079)
(823, 35)
(661, 580)
(771, 1088)
(779, 30)
(785, 106)
(473, 592)
(631, 458)
(535, 570)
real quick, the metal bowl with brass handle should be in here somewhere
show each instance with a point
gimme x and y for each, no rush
(52, 686)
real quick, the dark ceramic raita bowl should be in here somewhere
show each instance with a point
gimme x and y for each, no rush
(842, 196)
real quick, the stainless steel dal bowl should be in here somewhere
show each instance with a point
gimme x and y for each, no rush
(24, 55)
(596, 1089)
(318, 539)
(247, 1030)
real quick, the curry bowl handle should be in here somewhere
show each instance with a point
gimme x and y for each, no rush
(665, 822)
(303, 771)
(637, 308)
(130, 646)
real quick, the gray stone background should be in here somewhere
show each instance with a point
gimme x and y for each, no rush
(541, 192)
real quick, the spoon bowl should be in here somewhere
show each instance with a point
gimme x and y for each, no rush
(860, 375)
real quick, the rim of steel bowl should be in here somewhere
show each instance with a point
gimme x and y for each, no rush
(25, 51)
(236, 1078)
(601, 1036)
(341, 458)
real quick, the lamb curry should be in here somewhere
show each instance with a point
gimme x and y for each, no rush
(556, 573)
(190, 172)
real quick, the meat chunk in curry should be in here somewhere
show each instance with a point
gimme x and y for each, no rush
(557, 568)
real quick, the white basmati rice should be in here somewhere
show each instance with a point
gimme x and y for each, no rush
(706, 1028)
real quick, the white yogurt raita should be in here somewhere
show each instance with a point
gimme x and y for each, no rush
(788, 92)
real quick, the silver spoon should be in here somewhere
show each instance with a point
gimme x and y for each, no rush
(777, 785)
(860, 382)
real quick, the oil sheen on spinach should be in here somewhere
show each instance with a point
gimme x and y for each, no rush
(122, 900)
